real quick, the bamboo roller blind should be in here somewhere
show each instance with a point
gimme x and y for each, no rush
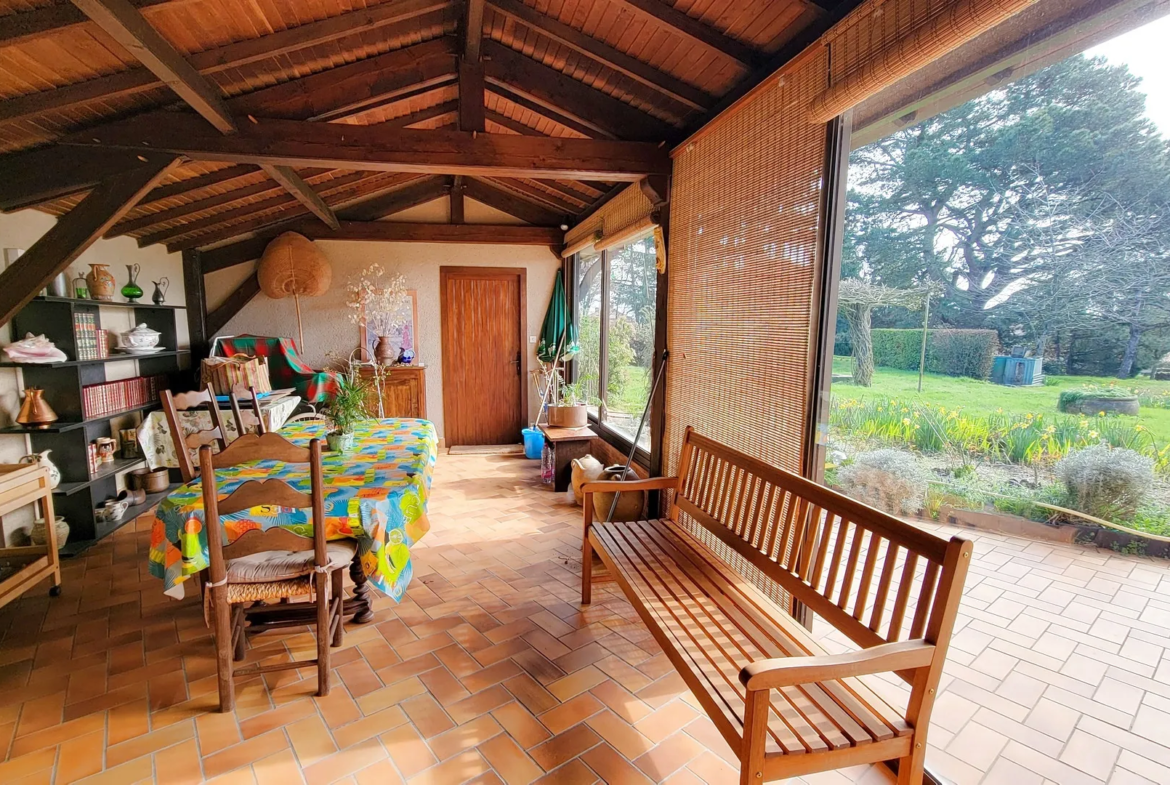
(619, 213)
(745, 211)
(884, 41)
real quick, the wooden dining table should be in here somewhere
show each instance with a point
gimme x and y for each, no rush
(375, 493)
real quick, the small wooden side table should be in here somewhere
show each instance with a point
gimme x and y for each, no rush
(25, 567)
(567, 444)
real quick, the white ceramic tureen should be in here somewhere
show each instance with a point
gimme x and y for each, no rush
(141, 337)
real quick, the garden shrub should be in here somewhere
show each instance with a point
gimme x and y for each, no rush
(1106, 482)
(949, 352)
(891, 480)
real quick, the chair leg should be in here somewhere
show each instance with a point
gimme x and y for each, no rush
(238, 632)
(339, 598)
(323, 635)
(221, 612)
(910, 767)
(586, 571)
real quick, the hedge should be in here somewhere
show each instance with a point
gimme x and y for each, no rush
(949, 352)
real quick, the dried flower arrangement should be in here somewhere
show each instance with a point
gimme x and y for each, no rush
(379, 301)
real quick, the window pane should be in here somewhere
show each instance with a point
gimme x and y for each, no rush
(589, 327)
(630, 345)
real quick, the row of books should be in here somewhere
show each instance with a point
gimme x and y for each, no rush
(98, 400)
(93, 343)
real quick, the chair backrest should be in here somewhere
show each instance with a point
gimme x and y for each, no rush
(254, 493)
(870, 575)
(241, 426)
(172, 404)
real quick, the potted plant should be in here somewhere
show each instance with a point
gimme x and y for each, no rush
(570, 412)
(345, 410)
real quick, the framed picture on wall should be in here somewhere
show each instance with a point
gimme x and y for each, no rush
(404, 338)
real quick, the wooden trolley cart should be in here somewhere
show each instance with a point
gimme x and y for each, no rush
(22, 568)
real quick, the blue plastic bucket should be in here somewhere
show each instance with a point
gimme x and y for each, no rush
(533, 443)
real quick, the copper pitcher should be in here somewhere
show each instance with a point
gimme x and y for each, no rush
(35, 412)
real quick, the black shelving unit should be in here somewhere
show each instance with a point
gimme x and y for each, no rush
(81, 491)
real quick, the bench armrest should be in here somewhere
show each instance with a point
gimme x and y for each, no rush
(790, 671)
(619, 486)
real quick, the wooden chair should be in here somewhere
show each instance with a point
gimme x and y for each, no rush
(241, 427)
(272, 564)
(172, 404)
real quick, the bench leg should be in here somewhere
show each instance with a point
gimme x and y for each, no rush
(910, 767)
(755, 729)
(586, 571)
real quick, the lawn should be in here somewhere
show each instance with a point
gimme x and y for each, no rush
(975, 397)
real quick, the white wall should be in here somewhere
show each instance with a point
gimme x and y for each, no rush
(330, 336)
(21, 230)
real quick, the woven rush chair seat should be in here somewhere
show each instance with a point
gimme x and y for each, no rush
(274, 566)
(269, 590)
(696, 600)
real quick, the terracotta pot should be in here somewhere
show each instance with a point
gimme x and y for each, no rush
(384, 351)
(101, 282)
(568, 416)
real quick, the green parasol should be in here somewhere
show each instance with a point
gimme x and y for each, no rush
(558, 335)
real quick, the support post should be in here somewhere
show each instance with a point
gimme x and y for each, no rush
(196, 298)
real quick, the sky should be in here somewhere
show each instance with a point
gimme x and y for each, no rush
(1145, 52)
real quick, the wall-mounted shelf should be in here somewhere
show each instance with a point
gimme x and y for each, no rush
(108, 303)
(116, 358)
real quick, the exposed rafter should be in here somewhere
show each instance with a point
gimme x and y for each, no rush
(403, 232)
(676, 89)
(371, 148)
(416, 191)
(552, 89)
(458, 186)
(471, 68)
(27, 25)
(586, 128)
(73, 233)
(540, 196)
(129, 28)
(668, 16)
(506, 202)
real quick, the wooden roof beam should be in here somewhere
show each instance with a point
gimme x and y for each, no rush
(534, 194)
(404, 232)
(26, 26)
(371, 148)
(688, 95)
(471, 68)
(211, 61)
(73, 233)
(488, 193)
(559, 93)
(664, 15)
(126, 25)
(418, 191)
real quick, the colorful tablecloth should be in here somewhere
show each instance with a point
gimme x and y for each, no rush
(158, 448)
(375, 494)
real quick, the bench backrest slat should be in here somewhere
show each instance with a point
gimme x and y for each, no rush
(864, 571)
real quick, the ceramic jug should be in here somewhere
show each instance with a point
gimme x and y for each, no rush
(42, 458)
(101, 282)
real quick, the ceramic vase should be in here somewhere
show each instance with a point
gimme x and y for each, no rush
(101, 282)
(40, 534)
(132, 291)
(384, 351)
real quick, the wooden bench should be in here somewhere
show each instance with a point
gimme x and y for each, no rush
(779, 700)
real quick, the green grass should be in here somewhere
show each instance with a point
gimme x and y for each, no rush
(975, 397)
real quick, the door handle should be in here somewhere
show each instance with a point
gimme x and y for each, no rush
(517, 361)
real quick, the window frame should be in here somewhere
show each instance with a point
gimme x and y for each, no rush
(618, 441)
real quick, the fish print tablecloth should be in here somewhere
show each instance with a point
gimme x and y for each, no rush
(376, 494)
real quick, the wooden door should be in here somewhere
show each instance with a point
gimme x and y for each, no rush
(484, 323)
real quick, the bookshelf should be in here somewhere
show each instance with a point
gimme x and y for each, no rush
(83, 487)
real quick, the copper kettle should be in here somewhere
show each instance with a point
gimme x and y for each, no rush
(35, 412)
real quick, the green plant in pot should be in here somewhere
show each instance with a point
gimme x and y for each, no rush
(569, 411)
(345, 410)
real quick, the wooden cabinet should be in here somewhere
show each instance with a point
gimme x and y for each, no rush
(403, 391)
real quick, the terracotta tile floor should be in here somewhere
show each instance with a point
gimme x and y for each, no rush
(490, 672)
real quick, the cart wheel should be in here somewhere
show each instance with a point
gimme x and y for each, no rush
(54, 591)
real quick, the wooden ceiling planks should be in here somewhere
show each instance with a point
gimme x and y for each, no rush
(629, 69)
